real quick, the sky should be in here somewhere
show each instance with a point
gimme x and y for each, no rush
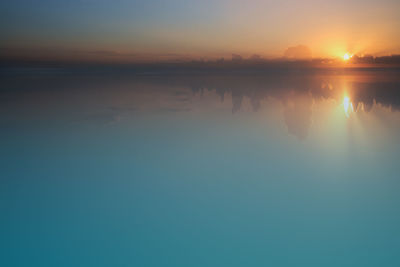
(156, 29)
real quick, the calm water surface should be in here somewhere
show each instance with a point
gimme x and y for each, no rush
(296, 168)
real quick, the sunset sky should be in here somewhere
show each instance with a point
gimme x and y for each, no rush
(193, 29)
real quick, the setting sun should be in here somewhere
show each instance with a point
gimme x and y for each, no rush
(347, 56)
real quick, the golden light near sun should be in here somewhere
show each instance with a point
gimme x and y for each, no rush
(347, 56)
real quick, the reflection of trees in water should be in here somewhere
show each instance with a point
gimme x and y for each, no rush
(385, 94)
(298, 114)
(296, 91)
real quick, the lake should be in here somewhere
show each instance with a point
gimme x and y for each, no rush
(271, 168)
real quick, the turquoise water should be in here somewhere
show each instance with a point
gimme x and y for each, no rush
(266, 169)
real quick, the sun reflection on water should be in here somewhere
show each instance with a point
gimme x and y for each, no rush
(348, 106)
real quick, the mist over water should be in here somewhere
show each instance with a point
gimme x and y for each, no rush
(280, 168)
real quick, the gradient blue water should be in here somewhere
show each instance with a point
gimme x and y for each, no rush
(154, 172)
